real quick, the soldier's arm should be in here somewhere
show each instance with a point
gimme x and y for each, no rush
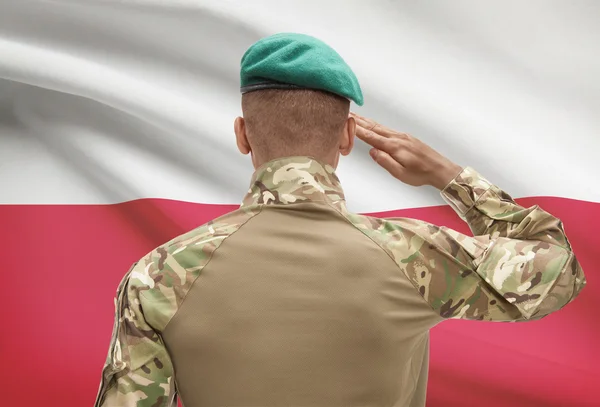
(518, 266)
(138, 371)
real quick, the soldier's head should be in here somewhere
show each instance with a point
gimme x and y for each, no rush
(296, 94)
(292, 122)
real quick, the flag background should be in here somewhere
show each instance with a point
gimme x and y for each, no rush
(116, 135)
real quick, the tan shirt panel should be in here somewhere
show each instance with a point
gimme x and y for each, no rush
(299, 315)
(303, 310)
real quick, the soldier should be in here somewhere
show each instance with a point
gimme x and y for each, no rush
(292, 300)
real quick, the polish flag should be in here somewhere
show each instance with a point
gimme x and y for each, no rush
(116, 135)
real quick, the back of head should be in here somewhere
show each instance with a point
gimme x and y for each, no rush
(286, 122)
(296, 93)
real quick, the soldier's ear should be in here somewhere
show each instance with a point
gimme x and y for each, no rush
(239, 127)
(347, 138)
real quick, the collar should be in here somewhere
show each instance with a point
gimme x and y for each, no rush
(294, 179)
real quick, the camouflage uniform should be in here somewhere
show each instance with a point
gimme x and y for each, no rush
(275, 332)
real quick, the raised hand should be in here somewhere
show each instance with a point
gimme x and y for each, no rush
(405, 157)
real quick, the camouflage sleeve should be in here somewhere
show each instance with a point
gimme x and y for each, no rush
(138, 371)
(518, 266)
(490, 211)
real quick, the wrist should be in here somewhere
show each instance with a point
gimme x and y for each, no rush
(446, 175)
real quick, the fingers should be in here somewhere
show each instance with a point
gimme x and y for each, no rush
(372, 125)
(374, 139)
(405, 157)
(363, 121)
(387, 162)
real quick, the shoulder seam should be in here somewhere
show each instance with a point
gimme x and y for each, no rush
(391, 258)
(260, 207)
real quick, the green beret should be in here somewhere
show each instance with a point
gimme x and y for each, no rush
(297, 61)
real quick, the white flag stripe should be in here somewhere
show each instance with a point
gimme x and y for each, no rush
(105, 102)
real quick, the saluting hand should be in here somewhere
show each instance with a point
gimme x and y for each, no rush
(405, 157)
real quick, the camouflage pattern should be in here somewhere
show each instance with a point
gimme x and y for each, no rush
(292, 180)
(138, 371)
(502, 216)
(519, 266)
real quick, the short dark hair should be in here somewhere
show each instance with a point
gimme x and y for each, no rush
(285, 122)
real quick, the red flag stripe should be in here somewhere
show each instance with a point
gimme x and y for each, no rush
(65, 261)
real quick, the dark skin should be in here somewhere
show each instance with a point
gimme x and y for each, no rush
(405, 157)
(345, 143)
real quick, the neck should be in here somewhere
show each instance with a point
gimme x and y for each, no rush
(329, 159)
(295, 179)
